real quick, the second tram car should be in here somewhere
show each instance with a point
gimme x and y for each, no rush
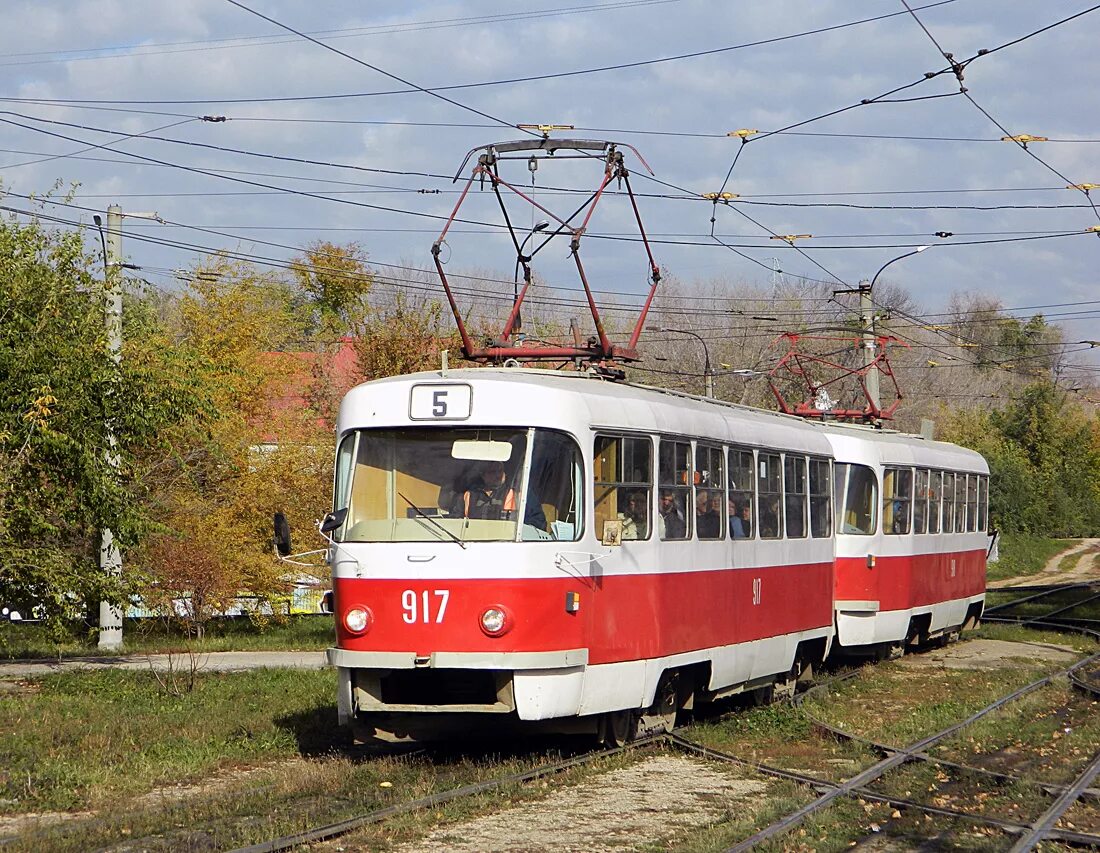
(536, 547)
(911, 538)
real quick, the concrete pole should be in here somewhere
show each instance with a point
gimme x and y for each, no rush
(867, 319)
(110, 558)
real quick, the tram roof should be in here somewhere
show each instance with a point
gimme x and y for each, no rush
(603, 403)
(865, 445)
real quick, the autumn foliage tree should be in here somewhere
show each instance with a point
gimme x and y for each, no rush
(257, 454)
(62, 393)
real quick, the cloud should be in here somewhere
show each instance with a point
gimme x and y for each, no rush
(1042, 86)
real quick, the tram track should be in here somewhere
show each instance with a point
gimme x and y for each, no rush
(1030, 835)
(859, 785)
(335, 830)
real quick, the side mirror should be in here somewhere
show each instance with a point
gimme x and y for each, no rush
(334, 520)
(282, 534)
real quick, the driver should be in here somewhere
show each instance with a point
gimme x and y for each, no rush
(491, 497)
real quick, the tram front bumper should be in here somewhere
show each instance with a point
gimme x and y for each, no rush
(536, 685)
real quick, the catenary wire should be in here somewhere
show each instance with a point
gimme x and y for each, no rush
(965, 92)
(528, 79)
(375, 68)
(1006, 363)
(128, 51)
(920, 321)
(120, 138)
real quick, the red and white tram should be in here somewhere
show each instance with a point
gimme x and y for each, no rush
(911, 537)
(538, 546)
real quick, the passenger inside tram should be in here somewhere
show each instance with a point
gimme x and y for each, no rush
(633, 515)
(671, 519)
(708, 522)
(740, 526)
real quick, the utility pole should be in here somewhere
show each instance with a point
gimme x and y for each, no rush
(867, 320)
(110, 558)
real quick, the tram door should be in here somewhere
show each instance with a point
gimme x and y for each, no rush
(858, 577)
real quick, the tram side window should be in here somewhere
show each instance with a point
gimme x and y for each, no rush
(555, 489)
(794, 486)
(769, 484)
(935, 498)
(983, 502)
(821, 511)
(971, 502)
(897, 495)
(674, 490)
(623, 473)
(960, 503)
(948, 502)
(710, 499)
(857, 498)
(742, 494)
(920, 501)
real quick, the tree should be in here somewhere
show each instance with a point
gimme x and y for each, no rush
(1044, 459)
(57, 489)
(261, 450)
(335, 284)
(404, 336)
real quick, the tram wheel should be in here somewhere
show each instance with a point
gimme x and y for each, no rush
(661, 715)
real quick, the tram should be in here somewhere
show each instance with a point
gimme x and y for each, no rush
(533, 548)
(911, 538)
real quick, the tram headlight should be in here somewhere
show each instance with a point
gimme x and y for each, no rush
(496, 620)
(358, 619)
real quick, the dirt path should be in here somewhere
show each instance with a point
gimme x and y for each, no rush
(1087, 568)
(989, 654)
(644, 804)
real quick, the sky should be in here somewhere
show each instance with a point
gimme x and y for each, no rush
(348, 147)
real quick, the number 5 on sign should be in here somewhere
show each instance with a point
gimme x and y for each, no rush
(440, 402)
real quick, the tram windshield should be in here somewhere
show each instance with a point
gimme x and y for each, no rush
(436, 484)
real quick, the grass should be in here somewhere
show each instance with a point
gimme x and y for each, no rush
(883, 706)
(1047, 736)
(114, 743)
(260, 750)
(1019, 634)
(896, 703)
(783, 736)
(845, 823)
(81, 740)
(289, 797)
(150, 636)
(1081, 604)
(1022, 555)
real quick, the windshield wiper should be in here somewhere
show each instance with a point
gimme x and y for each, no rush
(432, 521)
